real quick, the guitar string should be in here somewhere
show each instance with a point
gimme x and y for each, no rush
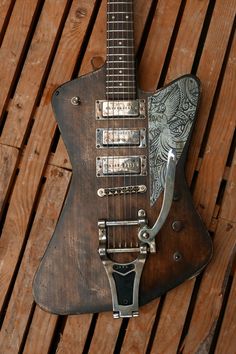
(129, 98)
(110, 74)
(136, 122)
(124, 120)
(115, 90)
(107, 98)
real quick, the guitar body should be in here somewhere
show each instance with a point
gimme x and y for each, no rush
(71, 278)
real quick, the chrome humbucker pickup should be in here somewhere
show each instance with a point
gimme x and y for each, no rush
(120, 109)
(118, 137)
(121, 165)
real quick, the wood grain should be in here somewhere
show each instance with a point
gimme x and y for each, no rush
(8, 163)
(173, 314)
(228, 210)
(160, 33)
(137, 336)
(74, 334)
(41, 332)
(209, 71)
(22, 105)
(36, 152)
(5, 9)
(13, 45)
(21, 301)
(226, 342)
(211, 293)
(106, 343)
(218, 143)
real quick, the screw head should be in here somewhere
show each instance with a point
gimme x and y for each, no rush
(177, 256)
(177, 225)
(145, 235)
(75, 101)
(141, 213)
(176, 196)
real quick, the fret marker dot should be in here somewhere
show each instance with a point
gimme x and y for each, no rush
(120, 58)
(120, 71)
(127, 16)
(113, 17)
(120, 83)
(120, 43)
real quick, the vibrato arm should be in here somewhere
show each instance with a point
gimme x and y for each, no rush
(145, 233)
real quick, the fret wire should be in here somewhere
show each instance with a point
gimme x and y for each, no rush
(120, 12)
(120, 39)
(120, 47)
(118, 54)
(121, 93)
(119, 30)
(121, 75)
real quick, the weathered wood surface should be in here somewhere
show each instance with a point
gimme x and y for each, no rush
(45, 43)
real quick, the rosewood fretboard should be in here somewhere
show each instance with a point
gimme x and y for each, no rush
(120, 75)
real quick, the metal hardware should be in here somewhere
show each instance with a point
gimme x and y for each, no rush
(176, 196)
(177, 226)
(75, 101)
(118, 137)
(141, 213)
(147, 234)
(120, 109)
(171, 113)
(177, 256)
(123, 250)
(104, 192)
(124, 278)
(121, 165)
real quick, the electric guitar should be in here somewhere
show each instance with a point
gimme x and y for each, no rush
(128, 231)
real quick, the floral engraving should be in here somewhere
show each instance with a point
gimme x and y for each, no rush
(171, 113)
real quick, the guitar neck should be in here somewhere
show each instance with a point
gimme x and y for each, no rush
(120, 74)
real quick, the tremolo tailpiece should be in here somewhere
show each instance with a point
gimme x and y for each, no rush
(124, 278)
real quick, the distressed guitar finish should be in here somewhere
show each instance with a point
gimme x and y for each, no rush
(120, 241)
(71, 278)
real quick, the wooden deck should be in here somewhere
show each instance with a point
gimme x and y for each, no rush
(47, 42)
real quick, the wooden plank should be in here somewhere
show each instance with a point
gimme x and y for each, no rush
(157, 43)
(187, 39)
(208, 72)
(8, 162)
(21, 301)
(37, 149)
(41, 332)
(22, 105)
(218, 144)
(226, 342)
(139, 329)
(228, 210)
(105, 334)
(5, 7)
(60, 158)
(172, 318)
(13, 45)
(75, 334)
(210, 297)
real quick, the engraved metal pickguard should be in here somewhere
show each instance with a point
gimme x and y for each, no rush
(171, 113)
